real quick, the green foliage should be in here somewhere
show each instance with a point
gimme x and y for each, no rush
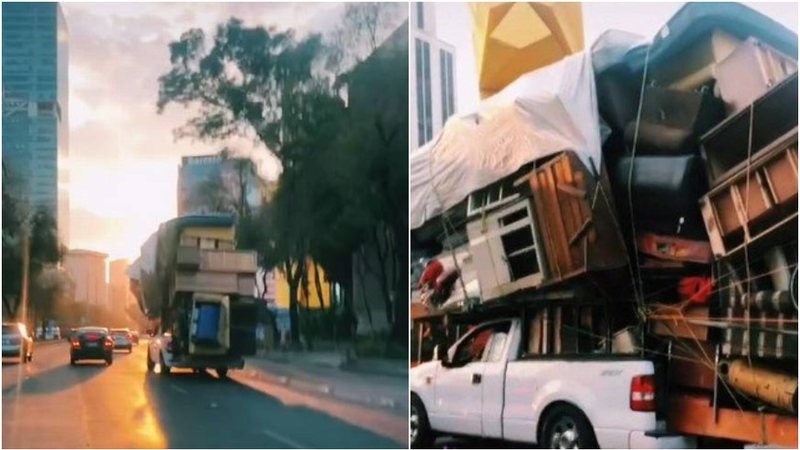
(44, 248)
(244, 83)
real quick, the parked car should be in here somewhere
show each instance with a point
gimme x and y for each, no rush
(17, 342)
(485, 386)
(91, 343)
(122, 339)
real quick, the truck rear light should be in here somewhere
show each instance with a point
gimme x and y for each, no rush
(643, 393)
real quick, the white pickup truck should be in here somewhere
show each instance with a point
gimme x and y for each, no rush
(485, 386)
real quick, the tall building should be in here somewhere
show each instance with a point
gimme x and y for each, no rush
(87, 270)
(211, 184)
(433, 94)
(119, 293)
(36, 107)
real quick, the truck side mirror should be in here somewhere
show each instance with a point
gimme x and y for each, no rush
(440, 353)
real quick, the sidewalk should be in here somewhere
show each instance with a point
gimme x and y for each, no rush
(324, 373)
(338, 360)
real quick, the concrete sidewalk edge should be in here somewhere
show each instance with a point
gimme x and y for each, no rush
(382, 402)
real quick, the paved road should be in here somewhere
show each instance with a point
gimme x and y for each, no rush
(50, 404)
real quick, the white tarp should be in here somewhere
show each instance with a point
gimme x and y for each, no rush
(146, 262)
(543, 112)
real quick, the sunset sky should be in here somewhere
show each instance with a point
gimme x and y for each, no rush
(123, 158)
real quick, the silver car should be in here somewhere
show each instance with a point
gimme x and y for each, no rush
(17, 342)
(122, 339)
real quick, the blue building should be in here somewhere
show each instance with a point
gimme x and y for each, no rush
(36, 107)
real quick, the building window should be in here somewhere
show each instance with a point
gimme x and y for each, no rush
(448, 99)
(420, 15)
(424, 106)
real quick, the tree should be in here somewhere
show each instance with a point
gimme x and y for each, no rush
(247, 83)
(362, 28)
(44, 248)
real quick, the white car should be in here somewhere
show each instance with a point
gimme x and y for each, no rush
(17, 342)
(484, 387)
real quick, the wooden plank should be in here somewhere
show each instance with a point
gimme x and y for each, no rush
(571, 190)
(693, 414)
(669, 322)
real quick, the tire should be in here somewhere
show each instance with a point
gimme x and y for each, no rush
(151, 366)
(222, 372)
(567, 427)
(165, 369)
(109, 361)
(420, 433)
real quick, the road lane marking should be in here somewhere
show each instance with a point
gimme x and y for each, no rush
(181, 390)
(283, 440)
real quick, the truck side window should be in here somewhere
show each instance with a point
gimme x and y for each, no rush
(471, 349)
(498, 341)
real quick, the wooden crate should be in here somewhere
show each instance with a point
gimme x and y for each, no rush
(576, 218)
(758, 202)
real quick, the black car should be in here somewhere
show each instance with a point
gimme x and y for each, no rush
(91, 343)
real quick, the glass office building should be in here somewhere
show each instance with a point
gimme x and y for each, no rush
(35, 107)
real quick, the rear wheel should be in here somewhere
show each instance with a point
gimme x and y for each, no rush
(165, 369)
(222, 372)
(567, 427)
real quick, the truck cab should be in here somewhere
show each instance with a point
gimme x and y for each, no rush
(490, 385)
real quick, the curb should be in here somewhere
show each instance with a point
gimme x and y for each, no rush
(354, 366)
(324, 389)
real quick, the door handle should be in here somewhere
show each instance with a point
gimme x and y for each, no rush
(476, 378)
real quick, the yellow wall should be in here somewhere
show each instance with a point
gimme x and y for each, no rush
(282, 289)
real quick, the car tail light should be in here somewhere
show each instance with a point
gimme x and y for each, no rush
(109, 343)
(75, 343)
(643, 393)
(93, 337)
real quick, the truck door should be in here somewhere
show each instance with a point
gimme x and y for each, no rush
(458, 390)
(493, 380)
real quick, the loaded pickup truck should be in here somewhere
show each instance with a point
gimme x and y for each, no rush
(488, 385)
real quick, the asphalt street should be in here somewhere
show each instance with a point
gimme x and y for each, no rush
(50, 404)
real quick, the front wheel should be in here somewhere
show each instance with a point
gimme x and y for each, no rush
(420, 433)
(567, 427)
(150, 364)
